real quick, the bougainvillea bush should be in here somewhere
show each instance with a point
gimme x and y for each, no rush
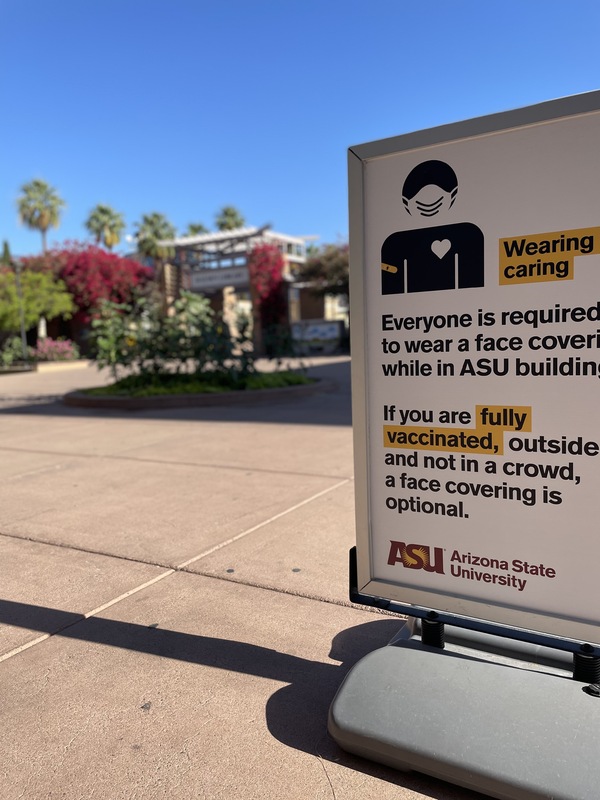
(93, 275)
(269, 304)
(265, 266)
(54, 350)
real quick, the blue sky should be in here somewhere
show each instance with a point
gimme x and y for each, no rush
(183, 106)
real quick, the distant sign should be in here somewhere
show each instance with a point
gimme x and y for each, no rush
(204, 280)
(316, 336)
(475, 288)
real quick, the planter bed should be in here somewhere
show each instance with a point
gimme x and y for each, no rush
(245, 397)
(18, 368)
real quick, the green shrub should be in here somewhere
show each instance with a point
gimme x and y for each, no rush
(191, 339)
(11, 351)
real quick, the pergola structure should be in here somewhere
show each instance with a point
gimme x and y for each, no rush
(216, 264)
(226, 249)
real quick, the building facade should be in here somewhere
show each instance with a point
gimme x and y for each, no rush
(215, 264)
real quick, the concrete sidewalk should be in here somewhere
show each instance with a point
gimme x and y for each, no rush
(174, 619)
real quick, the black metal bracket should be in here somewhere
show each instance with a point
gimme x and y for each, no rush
(586, 657)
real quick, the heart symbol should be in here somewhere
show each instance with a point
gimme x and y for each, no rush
(440, 247)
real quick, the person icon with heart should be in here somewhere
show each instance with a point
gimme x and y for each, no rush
(432, 258)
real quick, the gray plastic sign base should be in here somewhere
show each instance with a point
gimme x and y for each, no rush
(485, 718)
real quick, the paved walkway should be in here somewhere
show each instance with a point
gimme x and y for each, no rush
(173, 612)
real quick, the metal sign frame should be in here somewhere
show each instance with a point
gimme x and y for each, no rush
(401, 598)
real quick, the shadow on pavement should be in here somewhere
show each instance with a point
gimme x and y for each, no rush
(327, 407)
(296, 715)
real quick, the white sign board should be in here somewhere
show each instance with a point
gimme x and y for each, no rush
(475, 291)
(204, 280)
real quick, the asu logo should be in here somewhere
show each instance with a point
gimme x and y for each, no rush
(416, 556)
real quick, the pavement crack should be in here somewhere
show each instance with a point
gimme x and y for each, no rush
(40, 471)
(167, 463)
(262, 524)
(321, 760)
(82, 617)
(79, 549)
(280, 590)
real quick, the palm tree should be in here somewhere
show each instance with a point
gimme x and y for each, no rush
(151, 231)
(106, 225)
(195, 229)
(5, 258)
(229, 218)
(39, 207)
